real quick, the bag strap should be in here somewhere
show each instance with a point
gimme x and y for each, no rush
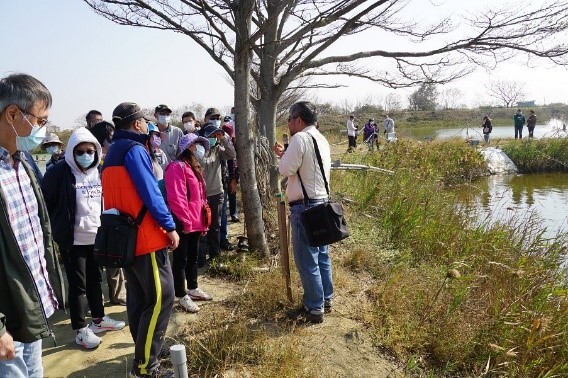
(318, 155)
(141, 215)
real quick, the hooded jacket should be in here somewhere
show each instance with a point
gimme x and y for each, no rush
(72, 222)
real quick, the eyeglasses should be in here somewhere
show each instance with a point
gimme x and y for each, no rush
(291, 118)
(40, 121)
(81, 152)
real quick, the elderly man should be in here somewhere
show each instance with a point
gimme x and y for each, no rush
(169, 134)
(30, 278)
(300, 164)
(129, 186)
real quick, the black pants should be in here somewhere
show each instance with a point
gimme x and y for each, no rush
(233, 204)
(352, 141)
(185, 262)
(531, 131)
(519, 132)
(211, 243)
(149, 303)
(84, 278)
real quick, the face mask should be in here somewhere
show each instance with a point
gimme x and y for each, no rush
(31, 141)
(85, 160)
(212, 142)
(189, 127)
(52, 150)
(216, 122)
(155, 141)
(164, 119)
(199, 151)
(232, 117)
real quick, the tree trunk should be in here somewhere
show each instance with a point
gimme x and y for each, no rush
(267, 122)
(244, 138)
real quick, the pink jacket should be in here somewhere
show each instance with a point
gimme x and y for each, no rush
(186, 196)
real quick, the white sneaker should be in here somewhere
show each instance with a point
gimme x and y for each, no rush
(87, 339)
(107, 324)
(199, 295)
(188, 305)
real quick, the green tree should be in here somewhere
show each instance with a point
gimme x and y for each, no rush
(424, 98)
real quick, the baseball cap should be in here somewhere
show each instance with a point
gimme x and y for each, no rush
(212, 111)
(188, 140)
(125, 113)
(161, 107)
(208, 130)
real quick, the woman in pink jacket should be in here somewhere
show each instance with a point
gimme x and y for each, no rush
(185, 191)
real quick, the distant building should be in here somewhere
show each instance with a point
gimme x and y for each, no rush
(525, 104)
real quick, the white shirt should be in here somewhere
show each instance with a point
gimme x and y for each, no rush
(351, 130)
(300, 156)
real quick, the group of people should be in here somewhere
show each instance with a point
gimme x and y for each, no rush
(371, 132)
(130, 164)
(519, 121)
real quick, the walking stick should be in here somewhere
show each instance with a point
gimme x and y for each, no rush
(283, 234)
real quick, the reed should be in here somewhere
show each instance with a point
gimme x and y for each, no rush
(539, 155)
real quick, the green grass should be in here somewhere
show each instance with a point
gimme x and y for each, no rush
(538, 155)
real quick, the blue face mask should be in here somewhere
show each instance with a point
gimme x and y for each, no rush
(199, 151)
(212, 142)
(85, 160)
(31, 141)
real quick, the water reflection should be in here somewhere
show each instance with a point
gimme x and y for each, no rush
(500, 197)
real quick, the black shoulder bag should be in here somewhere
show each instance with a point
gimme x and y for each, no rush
(115, 243)
(324, 223)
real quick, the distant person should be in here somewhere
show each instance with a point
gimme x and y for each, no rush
(531, 123)
(103, 132)
(232, 181)
(351, 133)
(73, 195)
(93, 117)
(129, 185)
(188, 121)
(388, 125)
(160, 159)
(299, 161)
(53, 146)
(169, 133)
(487, 128)
(31, 282)
(221, 149)
(520, 120)
(370, 134)
(185, 188)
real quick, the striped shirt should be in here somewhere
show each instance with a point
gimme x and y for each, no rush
(23, 215)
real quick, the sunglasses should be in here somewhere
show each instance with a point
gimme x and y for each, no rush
(81, 152)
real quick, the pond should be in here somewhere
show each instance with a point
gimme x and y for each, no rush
(553, 129)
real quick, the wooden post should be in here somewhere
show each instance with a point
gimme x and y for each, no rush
(283, 234)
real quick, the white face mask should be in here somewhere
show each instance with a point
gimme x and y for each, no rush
(189, 126)
(164, 119)
(52, 150)
(216, 122)
(199, 151)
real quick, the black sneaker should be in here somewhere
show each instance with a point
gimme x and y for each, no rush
(305, 314)
(226, 245)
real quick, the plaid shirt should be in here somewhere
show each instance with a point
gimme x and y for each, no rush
(23, 215)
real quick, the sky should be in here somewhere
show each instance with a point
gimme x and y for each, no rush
(89, 62)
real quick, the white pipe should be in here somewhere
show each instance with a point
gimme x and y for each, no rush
(179, 359)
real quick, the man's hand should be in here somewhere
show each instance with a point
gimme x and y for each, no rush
(233, 186)
(174, 239)
(278, 149)
(7, 351)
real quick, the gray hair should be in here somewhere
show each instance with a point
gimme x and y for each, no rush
(23, 91)
(305, 110)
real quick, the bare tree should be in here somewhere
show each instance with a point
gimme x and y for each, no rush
(392, 103)
(506, 92)
(449, 98)
(289, 38)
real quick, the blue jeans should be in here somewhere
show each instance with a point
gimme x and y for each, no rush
(313, 263)
(26, 363)
(223, 232)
